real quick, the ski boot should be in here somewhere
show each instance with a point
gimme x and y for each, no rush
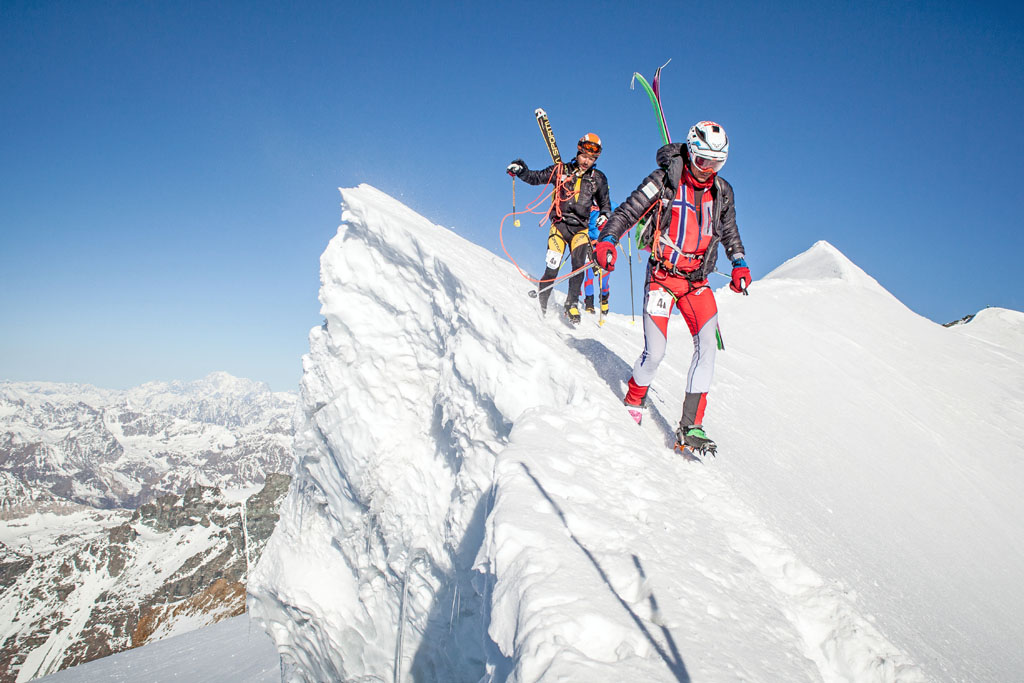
(604, 304)
(572, 314)
(588, 303)
(694, 438)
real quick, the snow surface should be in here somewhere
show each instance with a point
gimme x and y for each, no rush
(471, 501)
(231, 651)
(40, 533)
(1000, 326)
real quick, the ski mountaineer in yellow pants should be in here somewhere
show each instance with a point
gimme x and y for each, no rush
(578, 186)
(692, 211)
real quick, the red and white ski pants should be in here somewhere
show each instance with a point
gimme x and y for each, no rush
(662, 293)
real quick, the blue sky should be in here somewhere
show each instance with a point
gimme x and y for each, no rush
(169, 173)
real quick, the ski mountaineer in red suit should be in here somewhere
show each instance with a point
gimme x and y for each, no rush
(690, 211)
(578, 187)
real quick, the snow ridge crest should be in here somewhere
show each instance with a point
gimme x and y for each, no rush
(823, 262)
(409, 392)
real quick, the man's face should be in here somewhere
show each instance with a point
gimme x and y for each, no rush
(585, 160)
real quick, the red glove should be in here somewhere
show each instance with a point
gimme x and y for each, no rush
(740, 276)
(605, 254)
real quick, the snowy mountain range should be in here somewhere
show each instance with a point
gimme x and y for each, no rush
(472, 502)
(106, 449)
(130, 516)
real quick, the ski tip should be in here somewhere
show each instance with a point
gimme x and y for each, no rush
(538, 112)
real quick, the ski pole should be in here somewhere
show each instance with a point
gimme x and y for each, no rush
(743, 285)
(632, 310)
(586, 265)
(515, 221)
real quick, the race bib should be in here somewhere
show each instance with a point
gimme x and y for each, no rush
(554, 259)
(659, 303)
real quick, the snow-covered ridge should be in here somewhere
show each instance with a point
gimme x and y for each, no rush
(471, 502)
(408, 394)
(230, 651)
(1000, 326)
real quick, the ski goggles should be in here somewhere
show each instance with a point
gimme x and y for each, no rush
(589, 147)
(708, 165)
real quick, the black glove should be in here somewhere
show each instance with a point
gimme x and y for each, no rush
(516, 168)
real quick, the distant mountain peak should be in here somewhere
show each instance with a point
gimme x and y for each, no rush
(217, 382)
(823, 262)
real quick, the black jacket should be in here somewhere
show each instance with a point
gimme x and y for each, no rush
(575, 212)
(661, 185)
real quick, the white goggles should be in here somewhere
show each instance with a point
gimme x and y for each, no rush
(708, 165)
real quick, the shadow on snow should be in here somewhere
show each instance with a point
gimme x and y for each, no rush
(668, 652)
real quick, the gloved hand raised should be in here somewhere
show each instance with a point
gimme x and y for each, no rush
(740, 277)
(516, 168)
(604, 254)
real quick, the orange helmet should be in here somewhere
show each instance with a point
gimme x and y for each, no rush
(589, 144)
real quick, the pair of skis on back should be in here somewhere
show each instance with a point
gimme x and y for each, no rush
(653, 91)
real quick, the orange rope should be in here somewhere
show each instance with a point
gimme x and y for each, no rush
(531, 208)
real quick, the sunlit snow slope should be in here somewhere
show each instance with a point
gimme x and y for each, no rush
(231, 651)
(471, 501)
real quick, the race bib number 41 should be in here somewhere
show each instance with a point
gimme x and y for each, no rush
(553, 259)
(659, 303)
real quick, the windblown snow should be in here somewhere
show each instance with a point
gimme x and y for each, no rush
(471, 502)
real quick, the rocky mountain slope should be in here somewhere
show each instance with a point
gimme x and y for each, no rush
(130, 516)
(94, 582)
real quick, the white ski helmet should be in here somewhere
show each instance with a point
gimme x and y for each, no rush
(708, 146)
